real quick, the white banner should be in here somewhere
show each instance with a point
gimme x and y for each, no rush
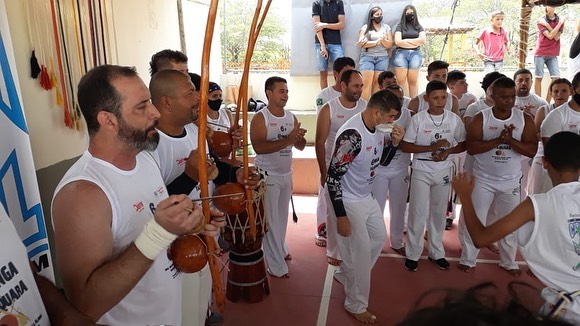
(18, 185)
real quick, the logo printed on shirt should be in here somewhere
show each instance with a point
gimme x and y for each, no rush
(181, 161)
(340, 116)
(572, 126)
(492, 128)
(427, 131)
(139, 207)
(368, 148)
(159, 191)
(272, 124)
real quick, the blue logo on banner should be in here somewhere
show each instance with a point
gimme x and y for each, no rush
(35, 211)
(13, 110)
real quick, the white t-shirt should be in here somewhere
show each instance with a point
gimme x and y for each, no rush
(324, 96)
(562, 119)
(474, 108)
(502, 163)
(465, 100)
(279, 162)
(401, 159)
(532, 100)
(552, 248)
(133, 195)
(19, 295)
(426, 129)
(223, 121)
(338, 116)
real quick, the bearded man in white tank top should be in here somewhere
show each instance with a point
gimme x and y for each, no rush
(113, 219)
(331, 117)
(356, 153)
(274, 131)
(174, 95)
(547, 225)
(497, 138)
(432, 136)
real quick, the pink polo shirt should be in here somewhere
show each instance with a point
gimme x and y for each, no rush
(546, 47)
(493, 43)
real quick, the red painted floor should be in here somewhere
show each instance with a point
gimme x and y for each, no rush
(299, 300)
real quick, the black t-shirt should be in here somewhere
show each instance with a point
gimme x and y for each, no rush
(410, 31)
(328, 12)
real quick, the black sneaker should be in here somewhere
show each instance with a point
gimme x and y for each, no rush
(442, 263)
(411, 265)
(448, 224)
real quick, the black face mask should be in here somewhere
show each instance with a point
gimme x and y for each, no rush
(215, 104)
(576, 98)
(378, 19)
(410, 17)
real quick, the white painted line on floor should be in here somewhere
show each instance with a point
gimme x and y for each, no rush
(482, 261)
(325, 299)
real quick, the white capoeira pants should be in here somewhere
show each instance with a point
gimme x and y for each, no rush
(427, 207)
(538, 180)
(526, 166)
(393, 183)
(504, 196)
(331, 231)
(276, 201)
(360, 250)
(196, 295)
(321, 213)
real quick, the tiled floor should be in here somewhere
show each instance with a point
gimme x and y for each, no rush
(311, 297)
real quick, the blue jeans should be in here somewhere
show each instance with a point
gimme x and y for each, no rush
(334, 51)
(407, 59)
(550, 62)
(369, 62)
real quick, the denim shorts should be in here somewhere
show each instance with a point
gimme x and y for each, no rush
(334, 51)
(491, 66)
(408, 59)
(550, 62)
(372, 62)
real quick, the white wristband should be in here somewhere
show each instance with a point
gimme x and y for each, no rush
(153, 239)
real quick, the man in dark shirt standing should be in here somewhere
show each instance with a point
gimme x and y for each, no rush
(328, 18)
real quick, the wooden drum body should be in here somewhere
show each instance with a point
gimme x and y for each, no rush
(247, 276)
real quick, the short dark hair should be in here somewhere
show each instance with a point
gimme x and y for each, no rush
(559, 81)
(342, 62)
(454, 76)
(163, 59)
(435, 85)
(436, 65)
(347, 75)
(384, 75)
(503, 82)
(163, 84)
(562, 151)
(490, 78)
(195, 79)
(269, 85)
(96, 93)
(385, 101)
(576, 80)
(522, 71)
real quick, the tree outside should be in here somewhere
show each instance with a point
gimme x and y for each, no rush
(272, 51)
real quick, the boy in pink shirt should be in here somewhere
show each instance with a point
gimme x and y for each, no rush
(550, 28)
(494, 40)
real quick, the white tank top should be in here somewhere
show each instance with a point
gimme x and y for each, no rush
(19, 295)
(324, 96)
(475, 108)
(401, 159)
(357, 182)
(223, 121)
(424, 105)
(532, 100)
(425, 130)
(552, 249)
(133, 195)
(547, 109)
(338, 116)
(172, 153)
(500, 163)
(279, 162)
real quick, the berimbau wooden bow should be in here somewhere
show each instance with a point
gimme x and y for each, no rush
(203, 180)
(243, 104)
